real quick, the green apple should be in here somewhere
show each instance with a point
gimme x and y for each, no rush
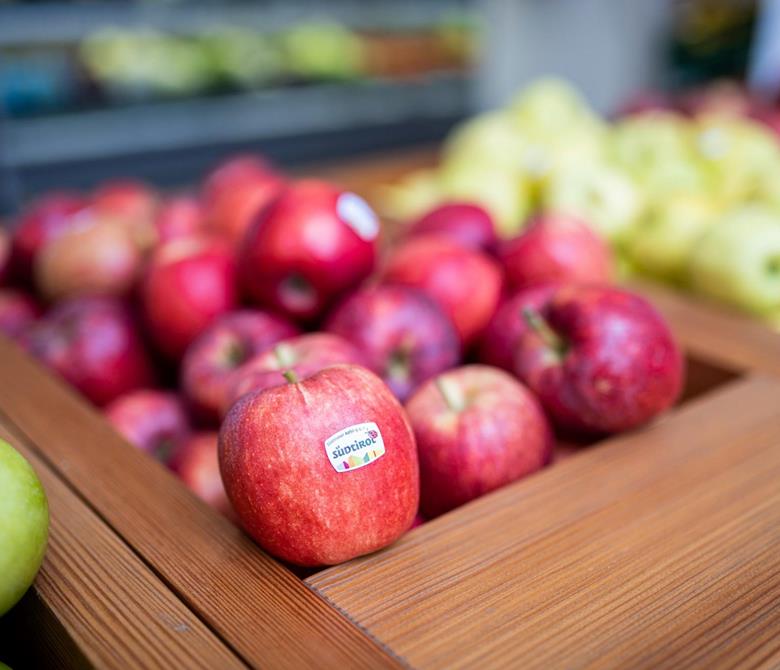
(661, 243)
(492, 137)
(737, 260)
(323, 51)
(24, 526)
(412, 196)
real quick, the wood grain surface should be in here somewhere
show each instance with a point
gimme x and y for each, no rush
(96, 604)
(659, 549)
(258, 607)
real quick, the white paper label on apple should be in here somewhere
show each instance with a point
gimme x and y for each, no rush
(355, 446)
(358, 215)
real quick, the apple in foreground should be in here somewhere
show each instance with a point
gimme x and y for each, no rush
(18, 311)
(304, 355)
(196, 463)
(498, 344)
(153, 421)
(462, 222)
(212, 360)
(322, 470)
(403, 333)
(24, 530)
(307, 248)
(600, 359)
(556, 247)
(188, 284)
(477, 428)
(465, 283)
(94, 345)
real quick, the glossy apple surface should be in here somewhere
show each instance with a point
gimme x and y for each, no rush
(462, 222)
(294, 488)
(403, 333)
(556, 247)
(94, 345)
(153, 421)
(307, 248)
(304, 355)
(212, 360)
(24, 530)
(600, 360)
(18, 311)
(498, 344)
(188, 284)
(465, 283)
(477, 429)
(196, 463)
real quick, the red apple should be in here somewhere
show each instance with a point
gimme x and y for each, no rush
(236, 191)
(556, 247)
(42, 220)
(313, 243)
(188, 284)
(465, 283)
(600, 359)
(18, 311)
(92, 257)
(5, 254)
(499, 341)
(322, 470)
(304, 355)
(403, 333)
(177, 217)
(93, 344)
(213, 359)
(131, 203)
(462, 222)
(477, 429)
(196, 463)
(152, 421)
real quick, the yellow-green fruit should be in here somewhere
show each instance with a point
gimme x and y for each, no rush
(24, 526)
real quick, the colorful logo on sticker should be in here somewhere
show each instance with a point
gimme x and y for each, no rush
(355, 446)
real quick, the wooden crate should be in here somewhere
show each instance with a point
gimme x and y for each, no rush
(656, 549)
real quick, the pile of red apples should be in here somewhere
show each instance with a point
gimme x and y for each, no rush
(326, 389)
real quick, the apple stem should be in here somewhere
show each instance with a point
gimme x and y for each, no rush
(290, 376)
(452, 394)
(538, 324)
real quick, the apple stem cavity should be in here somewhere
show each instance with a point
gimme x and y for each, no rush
(290, 376)
(538, 324)
(452, 394)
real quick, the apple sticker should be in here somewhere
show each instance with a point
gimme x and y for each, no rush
(355, 446)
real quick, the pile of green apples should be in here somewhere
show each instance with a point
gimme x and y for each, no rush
(693, 201)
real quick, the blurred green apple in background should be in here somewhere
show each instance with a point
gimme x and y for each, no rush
(737, 260)
(24, 526)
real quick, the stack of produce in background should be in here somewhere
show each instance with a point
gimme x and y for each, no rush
(686, 190)
(254, 306)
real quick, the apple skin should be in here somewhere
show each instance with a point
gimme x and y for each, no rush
(403, 333)
(18, 311)
(153, 421)
(179, 216)
(42, 220)
(466, 284)
(94, 345)
(284, 489)
(196, 463)
(93, 256)
(620, 365)
(189, 282)
(305, 355)
(212, 360)
(499, 342)
(556, 247)
(235, 191)
(462, 222)
(489, 432)
(25, 528)
(307, 248)
(127, 200)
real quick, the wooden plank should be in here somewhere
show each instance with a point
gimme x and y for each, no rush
(658, 549)
(94, 603)
(264, 612)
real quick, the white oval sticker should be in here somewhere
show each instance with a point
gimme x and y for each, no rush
(355, 446)
(358, 215)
